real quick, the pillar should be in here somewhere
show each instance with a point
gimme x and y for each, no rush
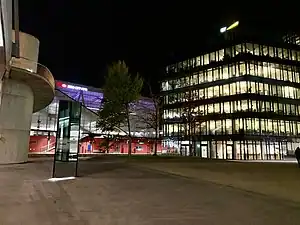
(15, 121)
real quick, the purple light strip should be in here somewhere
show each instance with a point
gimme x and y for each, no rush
(93, 99)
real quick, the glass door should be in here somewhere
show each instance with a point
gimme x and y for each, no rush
(204, 151)
(229, 151)
(185, 150)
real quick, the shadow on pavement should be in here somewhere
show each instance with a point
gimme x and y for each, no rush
(116, 168)
(98, 165)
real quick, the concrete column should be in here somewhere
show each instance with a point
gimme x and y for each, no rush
(15, 121)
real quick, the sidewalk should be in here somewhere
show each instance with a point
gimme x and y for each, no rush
(286, 160)
(114, 192)
(279, 180)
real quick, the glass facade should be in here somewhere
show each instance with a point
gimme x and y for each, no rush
(236, 51)
(240, 102)
(44, 123)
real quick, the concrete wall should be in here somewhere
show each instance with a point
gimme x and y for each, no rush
(15, 120)
(29, 51)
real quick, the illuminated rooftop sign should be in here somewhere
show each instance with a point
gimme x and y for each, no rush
(234, 25)
(70, 86)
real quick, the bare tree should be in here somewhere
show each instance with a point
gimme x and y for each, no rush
(189, 112)
(149, 115)
(189, 116)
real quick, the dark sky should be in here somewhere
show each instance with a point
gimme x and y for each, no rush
(79, 38)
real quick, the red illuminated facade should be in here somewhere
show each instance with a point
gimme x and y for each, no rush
(40, 144)
(44, 125)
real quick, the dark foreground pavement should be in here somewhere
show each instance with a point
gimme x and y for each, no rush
(114, 192)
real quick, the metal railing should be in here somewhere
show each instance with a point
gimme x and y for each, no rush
(47, 147)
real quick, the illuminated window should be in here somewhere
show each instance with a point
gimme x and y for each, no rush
(297, 77)
(249, 48)
(285, 54)
(231, 71)
(233, 88)
(265, 50)
(210, 108)
(201, 93)
(210, 92)
(195, 79)
(201, 110)
(251, 69)
(294, 55)
(198, 61)
(221, 54)
(265, 70)
(209, 76)
(253, 106)
(273, 73)
(226, 107)
(206, 59)
(184, 64)
(192, 62)
(225, 73)
(217, 107)
(201, 77)
(195, 94)
(256, 49)
(243, 85)
(212, 56)
(226, 89)
(216, 91)
(271, 51)
(279, 53)
(242, 69)
(244, 105)
(238, 49)
(290, 75)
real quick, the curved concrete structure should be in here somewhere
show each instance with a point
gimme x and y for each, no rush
(28, 88)
(41, 82)
(26, 69)
(15, 113)
(29, 46)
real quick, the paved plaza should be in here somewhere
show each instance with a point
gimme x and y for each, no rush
(111, 191)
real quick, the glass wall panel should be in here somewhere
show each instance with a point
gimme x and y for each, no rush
(241, 87)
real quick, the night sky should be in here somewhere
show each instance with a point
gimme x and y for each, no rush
(79, 38)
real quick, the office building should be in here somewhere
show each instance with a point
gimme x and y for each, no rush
(237, 101)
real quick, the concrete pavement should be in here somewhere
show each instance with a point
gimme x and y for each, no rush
(113, 192)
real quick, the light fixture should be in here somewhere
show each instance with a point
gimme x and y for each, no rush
(223, 29)
(54, 179)
(234, 25)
